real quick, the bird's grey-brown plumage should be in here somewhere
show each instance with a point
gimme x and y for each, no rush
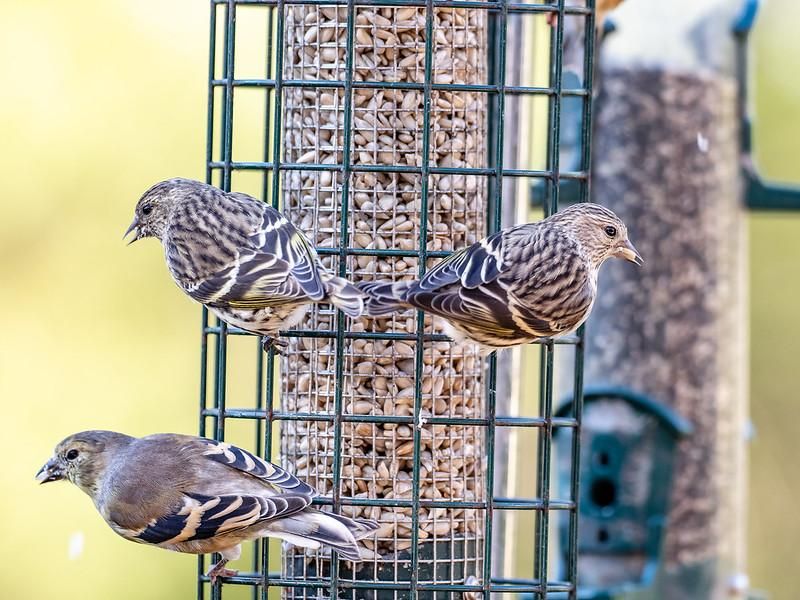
(238, 256)
(195, 495)
(523, 283)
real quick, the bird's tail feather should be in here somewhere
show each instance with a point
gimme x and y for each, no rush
(384, 298)
(345, 296)
(360, 528)
(312, 529)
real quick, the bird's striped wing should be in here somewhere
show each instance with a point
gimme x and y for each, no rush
(478, 264)
(273, 265)
(463, 288)
(246, 462)
(483, 308)
(473, 288)
(279, 239)
(201, 517)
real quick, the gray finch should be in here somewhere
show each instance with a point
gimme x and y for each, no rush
(521, 284)
(195, 495)
(238, 256)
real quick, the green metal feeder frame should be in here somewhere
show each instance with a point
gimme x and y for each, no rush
(424, 569)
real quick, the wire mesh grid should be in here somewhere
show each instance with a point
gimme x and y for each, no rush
(383, 140)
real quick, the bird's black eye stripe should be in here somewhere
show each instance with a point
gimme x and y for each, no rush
(147, 209)
(72, 454)
(610, 230)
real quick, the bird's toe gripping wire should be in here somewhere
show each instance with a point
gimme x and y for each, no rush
(219, 570)
(274, 344)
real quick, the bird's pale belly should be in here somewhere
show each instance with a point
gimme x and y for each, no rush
(263, 321)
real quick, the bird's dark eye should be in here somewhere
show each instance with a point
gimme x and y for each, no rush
(72, 454)
(610, 230)
(147, 209)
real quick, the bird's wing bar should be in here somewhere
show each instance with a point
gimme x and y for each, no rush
(306, 268)
(256, 280)
(480, 308)
(278, 236)
(202, 517)
(277, 265)
(246, 462)
(473, 266)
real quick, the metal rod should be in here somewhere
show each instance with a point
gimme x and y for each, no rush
(466, 4)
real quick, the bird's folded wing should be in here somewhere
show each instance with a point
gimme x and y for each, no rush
(277, 265)
(202, 517)
(476, 265)
(254, 280)
(530, 320)
(481, 308)
(246, 462)
(277, 236)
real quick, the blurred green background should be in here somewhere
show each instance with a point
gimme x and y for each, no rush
(102, 98)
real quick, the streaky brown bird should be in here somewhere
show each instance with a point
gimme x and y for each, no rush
(238, 256)
(195, 495)
(521, 284)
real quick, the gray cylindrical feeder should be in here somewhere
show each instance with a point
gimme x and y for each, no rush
(667, 161)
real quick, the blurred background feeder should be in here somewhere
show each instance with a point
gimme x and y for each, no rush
(628, 449)
(668, 161)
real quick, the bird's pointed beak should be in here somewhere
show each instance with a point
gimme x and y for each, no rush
(629, 253)
(133, 229)
(51, 471)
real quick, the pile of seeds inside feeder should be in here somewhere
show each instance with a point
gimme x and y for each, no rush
(385, 209)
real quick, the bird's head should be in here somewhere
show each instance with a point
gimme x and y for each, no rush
(601, 233)
(82, 458)
(154, 209)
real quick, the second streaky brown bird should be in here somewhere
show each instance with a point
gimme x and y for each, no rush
(521, 284)
(239, 257)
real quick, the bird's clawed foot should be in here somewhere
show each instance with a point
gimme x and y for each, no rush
(274, 344)
(219, 570)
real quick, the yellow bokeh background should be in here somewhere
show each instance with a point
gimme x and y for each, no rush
(102, 98)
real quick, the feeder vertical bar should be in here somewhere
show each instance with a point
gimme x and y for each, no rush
(212, 59)
(556, 58)
(491, 413)
(212, 46)
(227, 109)
(226, 150)
(259, 448)
(278, 121)
(227, 106)
(269, 397)
(575, 456)
(343, 245)
(423, 256)
(577, 397)
(202, 426)
(267, 109)
(263, 555)
(494, 224)
(541, 538)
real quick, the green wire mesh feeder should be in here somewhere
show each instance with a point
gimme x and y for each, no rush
(384, 141)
